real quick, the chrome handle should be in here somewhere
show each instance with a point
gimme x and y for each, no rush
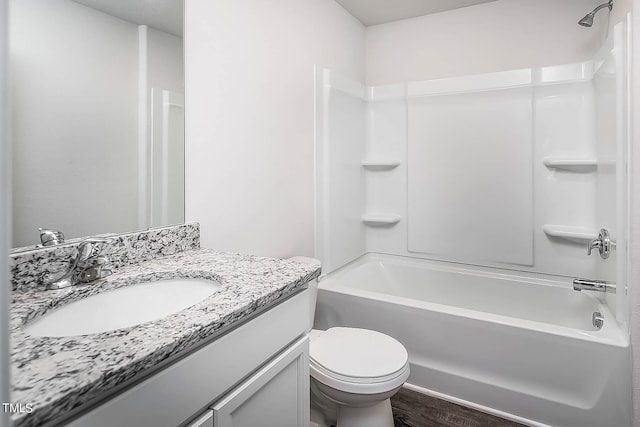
(51, 237)
(90, 248)
(603, 244)
(595, 244)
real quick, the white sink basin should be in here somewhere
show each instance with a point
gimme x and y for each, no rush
(123, 307)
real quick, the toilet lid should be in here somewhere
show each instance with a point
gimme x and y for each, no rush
(358, 355)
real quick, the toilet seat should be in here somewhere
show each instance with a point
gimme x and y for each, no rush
(358, 360)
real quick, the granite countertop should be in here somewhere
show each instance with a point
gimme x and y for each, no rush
(58, 374)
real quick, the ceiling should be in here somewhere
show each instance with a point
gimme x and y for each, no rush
(164, 15)
(374, 12)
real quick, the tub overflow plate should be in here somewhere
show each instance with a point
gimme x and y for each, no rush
(597, 319)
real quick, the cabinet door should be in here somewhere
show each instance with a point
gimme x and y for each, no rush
(204, 420)
(277, 395)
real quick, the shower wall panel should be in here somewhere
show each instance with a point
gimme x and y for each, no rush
(548, 202)
(340, 135)
(470, 181)
(564, 195)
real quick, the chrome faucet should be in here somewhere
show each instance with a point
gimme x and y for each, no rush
(603, 244)
(88, 266)
(593, 285)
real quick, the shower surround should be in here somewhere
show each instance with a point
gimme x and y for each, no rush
(502, 175)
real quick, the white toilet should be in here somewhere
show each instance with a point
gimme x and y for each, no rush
(354, 372)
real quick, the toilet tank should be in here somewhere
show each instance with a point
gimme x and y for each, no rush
(313, 287)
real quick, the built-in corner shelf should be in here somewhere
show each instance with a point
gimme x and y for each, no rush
(376, 220)
(575, 234)
(571, 164)
(380, 165)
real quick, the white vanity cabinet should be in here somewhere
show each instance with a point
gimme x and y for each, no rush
(277, 395)
(256, 374)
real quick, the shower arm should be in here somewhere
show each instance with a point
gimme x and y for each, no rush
(609, 4)
(587, 20)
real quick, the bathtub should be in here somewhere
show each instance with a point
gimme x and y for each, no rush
(519, 346)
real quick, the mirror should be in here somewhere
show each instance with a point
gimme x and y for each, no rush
(97, 93)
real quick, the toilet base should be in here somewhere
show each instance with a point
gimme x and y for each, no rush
(318, 418)
(331, 407)
(378, 415)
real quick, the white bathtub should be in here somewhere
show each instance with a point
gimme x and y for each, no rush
(517, 346)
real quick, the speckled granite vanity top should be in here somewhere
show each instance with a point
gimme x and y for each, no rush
(56, 375)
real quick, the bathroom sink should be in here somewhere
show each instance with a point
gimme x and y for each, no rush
(123, 307)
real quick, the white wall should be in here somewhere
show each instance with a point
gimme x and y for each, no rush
(250, 121)
(495, 36)
(5, 216)
(74, 99)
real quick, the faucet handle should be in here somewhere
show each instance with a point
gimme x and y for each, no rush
(51, 237)
(91, 247)
(603, 244)
(594, 244)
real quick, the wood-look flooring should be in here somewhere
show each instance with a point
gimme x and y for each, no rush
(413, 409)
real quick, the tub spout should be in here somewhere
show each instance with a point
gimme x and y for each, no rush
(593, 285)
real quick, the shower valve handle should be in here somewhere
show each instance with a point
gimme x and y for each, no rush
(603, 244)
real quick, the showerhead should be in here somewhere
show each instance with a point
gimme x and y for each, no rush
(587, 21)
